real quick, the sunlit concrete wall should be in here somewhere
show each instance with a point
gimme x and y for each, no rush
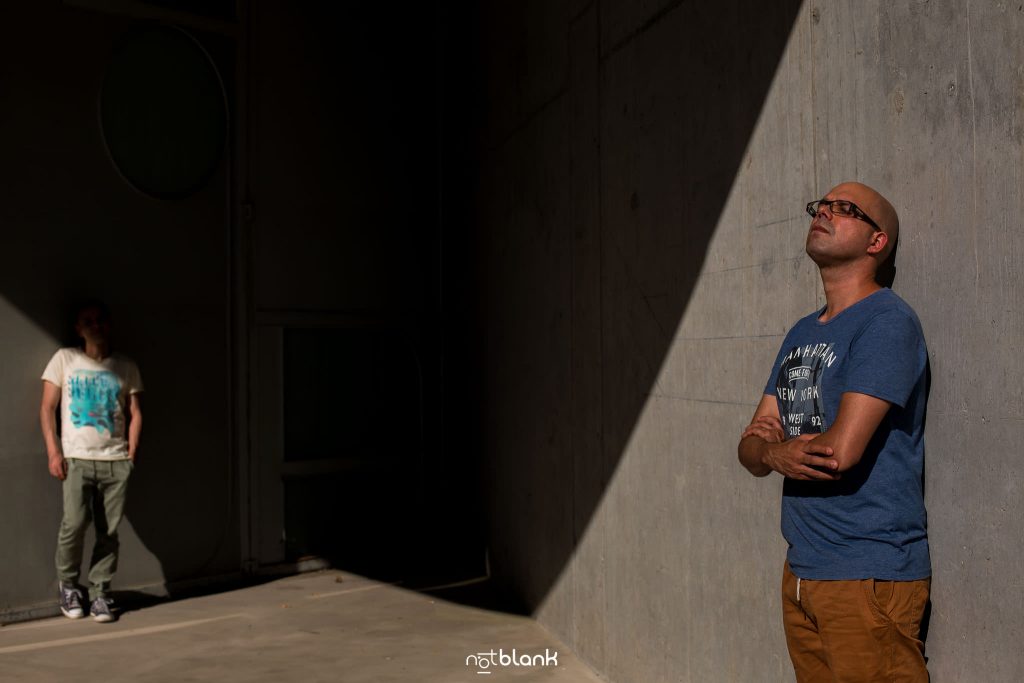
(634, 296)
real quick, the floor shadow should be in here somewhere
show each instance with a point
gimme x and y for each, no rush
(127, 601)
(482, 594)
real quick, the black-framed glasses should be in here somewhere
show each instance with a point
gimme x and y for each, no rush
(841, 207)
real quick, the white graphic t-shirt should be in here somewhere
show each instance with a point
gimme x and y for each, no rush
(94, 395)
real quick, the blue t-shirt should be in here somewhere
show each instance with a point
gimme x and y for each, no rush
(870, 523)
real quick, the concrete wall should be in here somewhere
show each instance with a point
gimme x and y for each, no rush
(644, 168)
(73, 228)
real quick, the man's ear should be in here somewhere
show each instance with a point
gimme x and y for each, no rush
(878, 241)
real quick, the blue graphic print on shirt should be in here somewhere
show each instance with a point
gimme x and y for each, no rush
(798, 388)
(93, 395)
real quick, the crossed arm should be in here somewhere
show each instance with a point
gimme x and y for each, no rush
(764, 448)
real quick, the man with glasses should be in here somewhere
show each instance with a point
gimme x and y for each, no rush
(842, 419)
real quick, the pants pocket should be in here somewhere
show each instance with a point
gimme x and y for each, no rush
(911, 607)
(883, 591)
(878, 595)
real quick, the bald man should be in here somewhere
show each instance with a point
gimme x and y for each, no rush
(842, 420)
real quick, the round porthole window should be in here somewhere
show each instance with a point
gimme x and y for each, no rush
(163, 112)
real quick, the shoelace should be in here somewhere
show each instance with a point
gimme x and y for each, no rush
(72, 598)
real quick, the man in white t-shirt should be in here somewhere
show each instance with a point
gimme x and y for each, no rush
(99, 395)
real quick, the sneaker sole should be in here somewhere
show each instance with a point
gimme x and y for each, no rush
(72, 615)
(103, 618)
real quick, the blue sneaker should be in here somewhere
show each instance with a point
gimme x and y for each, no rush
(100, 609)
(70, 600)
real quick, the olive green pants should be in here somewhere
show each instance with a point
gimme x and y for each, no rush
(94, 490)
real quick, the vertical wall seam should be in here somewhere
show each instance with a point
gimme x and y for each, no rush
(571, 88)
(974, 154)
(814, 115)
(599, 198)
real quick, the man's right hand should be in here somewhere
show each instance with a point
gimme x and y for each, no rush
(58, 465)
(801, 458)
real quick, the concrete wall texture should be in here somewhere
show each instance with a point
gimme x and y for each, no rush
(642, 182)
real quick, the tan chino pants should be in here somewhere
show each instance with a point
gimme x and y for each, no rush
(864, 631)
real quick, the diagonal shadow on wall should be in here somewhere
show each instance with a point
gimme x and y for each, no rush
(607, 142)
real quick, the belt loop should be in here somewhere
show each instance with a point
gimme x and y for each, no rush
(798, 589)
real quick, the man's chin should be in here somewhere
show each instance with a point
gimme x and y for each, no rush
(820, 256)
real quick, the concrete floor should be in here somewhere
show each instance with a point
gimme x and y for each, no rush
(323, 626)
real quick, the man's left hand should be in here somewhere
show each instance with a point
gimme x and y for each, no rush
(768, 427)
